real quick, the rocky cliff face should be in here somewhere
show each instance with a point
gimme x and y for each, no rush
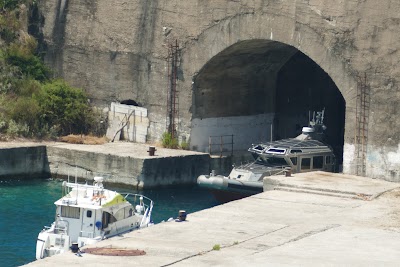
(118, 50)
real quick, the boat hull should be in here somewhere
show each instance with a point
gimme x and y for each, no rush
(227, 196)
(49, 244)
(225, 189)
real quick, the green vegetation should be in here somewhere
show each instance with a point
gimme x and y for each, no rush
(31, 103)
(11, 4)
(216, 247)
(64, 106)
(184, 145)
(9, 18)
(28, 64)
(171, 142)
(168, 141)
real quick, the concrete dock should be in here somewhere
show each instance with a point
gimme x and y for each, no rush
(318, 219)
(119, 163)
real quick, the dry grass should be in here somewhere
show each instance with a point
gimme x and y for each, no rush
(83, 139)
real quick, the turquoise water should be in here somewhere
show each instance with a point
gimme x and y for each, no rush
(27, 206)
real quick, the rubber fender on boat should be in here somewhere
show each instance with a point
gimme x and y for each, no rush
(211, 181)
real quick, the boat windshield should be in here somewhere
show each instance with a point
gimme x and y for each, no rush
(273, 161)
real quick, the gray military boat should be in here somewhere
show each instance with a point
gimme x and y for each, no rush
(304, 153)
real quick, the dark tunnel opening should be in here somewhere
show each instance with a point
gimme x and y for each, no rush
(257, 90)
(302, 86)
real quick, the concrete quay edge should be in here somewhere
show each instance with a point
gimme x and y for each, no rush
(120, 163)
(273, 228)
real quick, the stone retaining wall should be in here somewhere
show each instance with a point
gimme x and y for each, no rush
(24, 162)
(57, 162)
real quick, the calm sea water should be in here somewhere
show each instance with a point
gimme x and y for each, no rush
(27, 206)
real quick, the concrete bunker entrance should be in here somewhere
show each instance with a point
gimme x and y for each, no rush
(258, 90)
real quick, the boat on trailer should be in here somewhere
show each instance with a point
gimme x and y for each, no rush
(304, 153)
(87, 214)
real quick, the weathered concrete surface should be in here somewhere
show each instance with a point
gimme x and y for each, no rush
(23, 160)
(127, 163)
(327, 183)
(119, 163)
(233, 53)
(274, 228)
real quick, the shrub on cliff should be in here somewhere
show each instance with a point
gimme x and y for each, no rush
(29, 65)
(66, 107)
(9, 23)
(12, 4)
(30, 104)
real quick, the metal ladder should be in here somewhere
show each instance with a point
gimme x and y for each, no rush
(363, 102)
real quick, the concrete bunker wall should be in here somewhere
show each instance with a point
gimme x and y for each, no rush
(249, 27)
(125, 58)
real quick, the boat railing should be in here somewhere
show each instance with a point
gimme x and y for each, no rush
(61, 227)
(223, 142)
(146, 216)
(282, 171)
(70, 202)
(144, 202)
(277, 170)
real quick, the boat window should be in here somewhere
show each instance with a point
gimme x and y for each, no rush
(274, 161)
(306, 164)
(70, 212)
(258, 147)
(328, 160)
(123, 213)
(318, 162)
(276, 150)
(119, 215)
(294, 160)
(293, 151)
(128, 211)
(107, 218)
(89, 213)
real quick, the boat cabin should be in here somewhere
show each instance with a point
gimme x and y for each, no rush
(298, 155)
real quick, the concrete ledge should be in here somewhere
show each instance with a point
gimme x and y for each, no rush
(127, 163)
(273, 228)
(23, 162)
(120, 163)
(332, 184)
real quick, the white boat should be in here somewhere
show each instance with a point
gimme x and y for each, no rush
(303, 153)
(87, 214)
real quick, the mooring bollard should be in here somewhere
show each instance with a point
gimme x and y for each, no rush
(152, 150)
(74, 247)
(182, 215)
(288, 172)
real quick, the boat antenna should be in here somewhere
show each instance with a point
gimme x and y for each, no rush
(272, 125)
(76, 174)
(322, 116)
(76, 182)
(313, 117)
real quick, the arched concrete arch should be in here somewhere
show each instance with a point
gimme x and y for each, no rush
(277, 28)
